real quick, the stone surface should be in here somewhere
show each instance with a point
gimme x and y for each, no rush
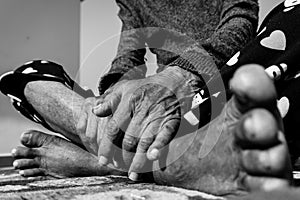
(15, 187)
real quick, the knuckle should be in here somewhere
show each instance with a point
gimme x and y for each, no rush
(129, 142)
(134, 97)
(112, 129)
(138, 93)
(161, 141)
(144, 143)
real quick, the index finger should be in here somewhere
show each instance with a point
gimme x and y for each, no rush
(112, 130)
(163, 138)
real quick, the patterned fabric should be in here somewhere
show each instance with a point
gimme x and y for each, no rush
(277, 48)
(197, 35)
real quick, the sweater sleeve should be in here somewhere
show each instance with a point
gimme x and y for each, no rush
(129, 62)
(237, 26)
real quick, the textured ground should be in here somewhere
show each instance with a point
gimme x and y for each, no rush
(15, 187)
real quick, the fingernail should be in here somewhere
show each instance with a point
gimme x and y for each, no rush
(133, 176)
(154, 154)
(21, 173)
(103, 160)
(13, 152)
(96, 108)
(15, 163)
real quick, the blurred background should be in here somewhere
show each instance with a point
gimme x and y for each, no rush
(83, 37)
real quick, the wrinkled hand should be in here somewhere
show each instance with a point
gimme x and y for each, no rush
(146, 113)
(90, 127)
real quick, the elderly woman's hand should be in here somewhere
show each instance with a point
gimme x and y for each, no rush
(146, 115)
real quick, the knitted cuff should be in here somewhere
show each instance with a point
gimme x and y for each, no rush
(197, 61)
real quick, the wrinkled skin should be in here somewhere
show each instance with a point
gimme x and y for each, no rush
(246, 150)
(146, 115)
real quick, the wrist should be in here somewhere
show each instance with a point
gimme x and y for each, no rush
(177, 77)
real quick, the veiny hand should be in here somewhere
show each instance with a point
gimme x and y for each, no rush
(90, 127)
(146, 113)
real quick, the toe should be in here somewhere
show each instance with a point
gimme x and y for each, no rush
(25, 164)
(263, 147)
(257, 129)
(271, 162)
(24, 152)
(32, 172)
(266, 183)
(33, 138)
(252, 87)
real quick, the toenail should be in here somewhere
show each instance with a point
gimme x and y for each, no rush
(14, 151)
(15, 163)
(26, 137)
(21, 172)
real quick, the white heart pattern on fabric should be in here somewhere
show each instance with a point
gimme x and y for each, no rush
(283, 106)
(290, 4)
(29, 70)
(288, 9)
(276, 41)
(234, 59)
(263, 30)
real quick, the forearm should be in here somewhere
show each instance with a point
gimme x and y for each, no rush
(237, 27)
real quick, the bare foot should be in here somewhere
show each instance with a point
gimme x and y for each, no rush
(245, 149)
(45, 154)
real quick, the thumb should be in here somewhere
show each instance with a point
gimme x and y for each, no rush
(108, 106)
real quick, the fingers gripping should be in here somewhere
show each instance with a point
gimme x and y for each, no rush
(163, 138)
(106, 147)
(139, 160)
(152, 140)
(112, 131)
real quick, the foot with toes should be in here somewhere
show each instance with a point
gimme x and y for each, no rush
(242, 150)
(44, 154)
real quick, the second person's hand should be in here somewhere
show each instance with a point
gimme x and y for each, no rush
(146, 115)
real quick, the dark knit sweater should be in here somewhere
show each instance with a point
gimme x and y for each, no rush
(197, 35)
